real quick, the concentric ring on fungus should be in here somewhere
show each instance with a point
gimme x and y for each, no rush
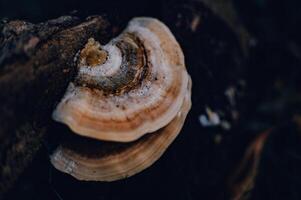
(134, 85)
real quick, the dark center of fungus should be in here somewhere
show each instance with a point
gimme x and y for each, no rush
(132, 70)
(92, 54)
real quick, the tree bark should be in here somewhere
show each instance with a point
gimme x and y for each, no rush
(37, 63)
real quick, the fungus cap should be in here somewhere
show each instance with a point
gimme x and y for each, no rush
(118, 164)
(134, 85)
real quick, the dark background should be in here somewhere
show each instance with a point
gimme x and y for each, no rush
(196, 166)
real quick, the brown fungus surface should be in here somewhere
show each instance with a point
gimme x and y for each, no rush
(109, 161)
(131, 86)
(129, 99)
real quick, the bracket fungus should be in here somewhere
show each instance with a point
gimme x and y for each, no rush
(130, 97)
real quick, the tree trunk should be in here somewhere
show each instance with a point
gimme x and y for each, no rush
(37, 63)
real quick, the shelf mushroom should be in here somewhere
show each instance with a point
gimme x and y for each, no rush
(133, 92)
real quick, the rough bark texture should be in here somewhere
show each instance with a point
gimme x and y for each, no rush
(36, 66)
